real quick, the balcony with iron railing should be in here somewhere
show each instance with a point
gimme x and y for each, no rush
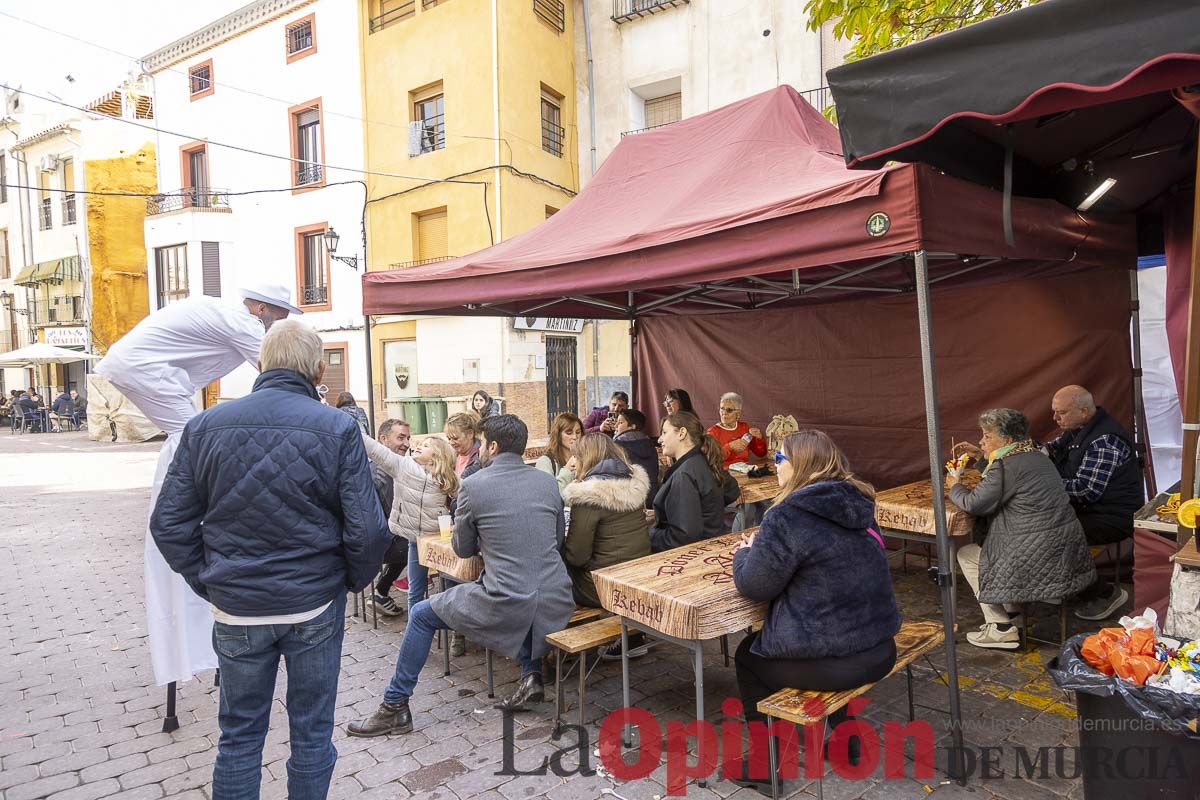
(626, 10)
(188, 199)
(307, 174)
(418, 262)
(433, 133)
(393, 11)
(314, 295)
(552, 138)
(68, 209)
(63, 310)
(551, 12)
(45, 221)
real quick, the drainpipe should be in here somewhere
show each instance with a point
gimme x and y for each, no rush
(587, 38)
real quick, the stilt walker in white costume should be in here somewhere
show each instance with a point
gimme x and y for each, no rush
(160, 365)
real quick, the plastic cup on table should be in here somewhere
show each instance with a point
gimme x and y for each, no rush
(446, 526)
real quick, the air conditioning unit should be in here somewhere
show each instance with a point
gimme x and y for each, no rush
(416, 132)
(48, 164)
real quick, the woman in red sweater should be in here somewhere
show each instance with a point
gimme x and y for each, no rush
(738, 440)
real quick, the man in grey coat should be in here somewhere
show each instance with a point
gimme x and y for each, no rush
(512, 516)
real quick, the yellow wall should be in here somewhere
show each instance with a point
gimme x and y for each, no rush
(116, 242)
(452, 43)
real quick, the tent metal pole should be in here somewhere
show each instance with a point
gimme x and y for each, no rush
(370, 373)
(633, 374)
(945, 567)
(1191, 371)
(1141, 434)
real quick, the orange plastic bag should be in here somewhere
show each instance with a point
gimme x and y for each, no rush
(1126, 654)
(1096, 649)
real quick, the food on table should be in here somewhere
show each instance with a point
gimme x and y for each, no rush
(1169, 508)
(1188, 512)
(960, 462)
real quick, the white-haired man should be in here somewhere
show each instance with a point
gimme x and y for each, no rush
(160, 365)
(269, 513)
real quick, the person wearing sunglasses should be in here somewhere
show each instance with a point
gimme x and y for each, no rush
(820, 563)
(739, 441)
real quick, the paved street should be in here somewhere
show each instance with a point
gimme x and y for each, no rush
(81, 718)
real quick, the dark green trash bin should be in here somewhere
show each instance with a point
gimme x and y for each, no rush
(414, 415)
(435, 414)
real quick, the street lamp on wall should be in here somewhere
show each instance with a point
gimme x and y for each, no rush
(331, 242)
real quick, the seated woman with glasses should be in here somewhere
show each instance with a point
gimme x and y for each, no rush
(738, 440)
(678, 400)
(819, 561)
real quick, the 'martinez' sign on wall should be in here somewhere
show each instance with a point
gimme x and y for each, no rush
(552, 324)
(67, 337)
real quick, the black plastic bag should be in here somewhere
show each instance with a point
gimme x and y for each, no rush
(1174, 712)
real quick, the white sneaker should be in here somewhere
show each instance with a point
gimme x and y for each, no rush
(995, 639)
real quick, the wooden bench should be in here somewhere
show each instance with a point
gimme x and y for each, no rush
(577, 640)
(914, 640)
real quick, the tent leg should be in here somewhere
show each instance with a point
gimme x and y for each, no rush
(633, 376)
(1141, 433)
(946, 566)
(370, 375)
(1191, 372)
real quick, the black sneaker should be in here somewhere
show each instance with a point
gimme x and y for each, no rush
(1103, 607)
(387, 606)
(638, 647)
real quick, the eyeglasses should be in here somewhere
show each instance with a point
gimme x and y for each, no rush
(780, 458)
(667, 403)
(727, 410)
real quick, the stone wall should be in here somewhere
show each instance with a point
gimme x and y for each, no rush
(527, 400)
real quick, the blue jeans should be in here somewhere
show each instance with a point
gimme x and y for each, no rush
(418, 578)
(414, 647)
(248, 656)
(423, 623)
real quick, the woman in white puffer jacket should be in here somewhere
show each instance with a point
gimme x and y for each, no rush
(424, 482)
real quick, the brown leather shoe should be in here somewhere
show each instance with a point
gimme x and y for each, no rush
(529, 690)
(388, 718)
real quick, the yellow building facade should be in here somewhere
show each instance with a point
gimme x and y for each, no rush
(470, 112)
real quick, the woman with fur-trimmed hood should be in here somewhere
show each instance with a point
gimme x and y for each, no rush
(608, 521)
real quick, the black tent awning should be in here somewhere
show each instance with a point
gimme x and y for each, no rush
(1080, 90)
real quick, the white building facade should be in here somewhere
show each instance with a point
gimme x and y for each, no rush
(279, 80)
(654, 62)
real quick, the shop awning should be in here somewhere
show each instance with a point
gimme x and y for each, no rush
(55, 271)
(741, 207)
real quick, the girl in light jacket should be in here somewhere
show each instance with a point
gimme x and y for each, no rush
(424, 482)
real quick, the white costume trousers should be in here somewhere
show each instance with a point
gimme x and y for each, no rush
(180, 621)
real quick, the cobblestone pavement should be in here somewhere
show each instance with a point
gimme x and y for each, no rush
(80, 717)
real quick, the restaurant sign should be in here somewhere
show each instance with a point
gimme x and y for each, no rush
(551, 324)
(67, 337)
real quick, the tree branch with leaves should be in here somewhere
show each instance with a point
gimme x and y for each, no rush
(878, 25)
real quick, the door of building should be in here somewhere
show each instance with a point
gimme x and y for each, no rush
(335, 372)
(562, 389)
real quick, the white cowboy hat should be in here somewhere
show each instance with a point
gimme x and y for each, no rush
(272, 293)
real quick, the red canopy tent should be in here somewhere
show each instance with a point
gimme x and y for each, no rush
(750, 208)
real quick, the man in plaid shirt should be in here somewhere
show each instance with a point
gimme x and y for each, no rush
(1095, 457)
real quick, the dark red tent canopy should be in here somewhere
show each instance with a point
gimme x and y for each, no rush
(739, 208)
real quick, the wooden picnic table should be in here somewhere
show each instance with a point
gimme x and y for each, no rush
(756, 490)
(437, 554)
(682, 596)
(909, 508)
(1148, 518)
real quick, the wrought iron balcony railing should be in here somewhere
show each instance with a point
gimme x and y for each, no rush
(308, 173)
(68, 209)
(44, 219)
(626, 10)
(552, 138)
(552, 12)
(314, 295)
(198, 199)
(392, 11)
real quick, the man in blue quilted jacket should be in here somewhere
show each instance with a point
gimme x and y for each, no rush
(268, 512)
